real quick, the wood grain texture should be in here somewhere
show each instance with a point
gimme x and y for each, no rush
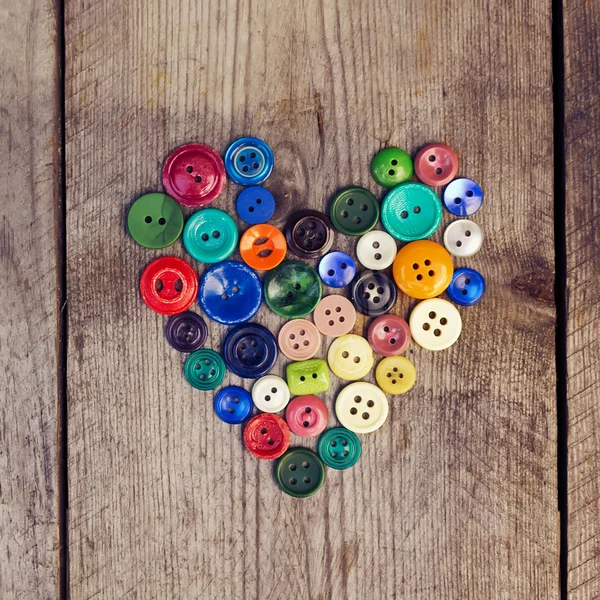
(455, 497)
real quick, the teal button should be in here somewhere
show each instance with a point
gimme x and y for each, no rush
(339, 448)
(204, 369)
(210, 235)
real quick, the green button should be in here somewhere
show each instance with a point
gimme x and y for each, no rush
(292, 289)
(210, 235)
(339, 448)
(307, 377)
(204, 369)
(155, 220)
(411, 211)
(300, 472)
(391, 167)
(354, 211)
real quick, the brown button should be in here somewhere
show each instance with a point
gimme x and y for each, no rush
(309, 234)
(334, 316)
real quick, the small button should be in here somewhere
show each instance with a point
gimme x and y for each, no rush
(395, 375)
(210, 235)
(391, 166)
(374, 293)
(334, 316)
(463, 197)
(263, 247)
(168, 285)
(467, 287)
(230, 293)
(337, 269)
(463, 238)
(250, 350)
(194, 175)
(270, 394)
(361, 407)
(233, 405)
(376, 250)
(249, 161)
(436, 164)
(307, 377)
(267, 436)
(309, 234)
(186, 331)
(300, 473)
(339, 448)
(435, 324)
(389, 335)
(255, 204)
(354, 211)
(155, 220)
(306, 415)
(350, 357)
(204, 369)
(299, 339)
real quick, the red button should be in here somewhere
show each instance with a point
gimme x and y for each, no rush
(306, 415)
(168, 285)
(389, 335)
(267, 436)
(436, 164)
(194, 175)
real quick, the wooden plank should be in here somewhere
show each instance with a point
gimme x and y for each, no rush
(455, 497)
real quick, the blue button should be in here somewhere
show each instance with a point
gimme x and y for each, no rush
(255, 205)
(467, 287)
(230, 293)
(249, 161)
(250, 351)
(233, 404)
(463, 197)
(337, 269)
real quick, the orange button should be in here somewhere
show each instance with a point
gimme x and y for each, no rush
(263, 247)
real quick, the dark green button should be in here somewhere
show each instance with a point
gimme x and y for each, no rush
(155, 220)
(204, 369)
(354, 211)
(391, 166)
(292, 289)
(339, 448)
(300, 472)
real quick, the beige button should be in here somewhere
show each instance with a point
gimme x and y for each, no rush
(361, 407)
(350, 357)
(376, 250)
(335, 315)
(435, 324)
(463, 238)
(299, 339)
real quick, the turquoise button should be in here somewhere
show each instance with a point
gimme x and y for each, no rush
(210, 235)
(339, 448)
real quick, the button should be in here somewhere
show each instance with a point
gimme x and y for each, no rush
(249, 161)
(307, 377)
(263, 247)
(204, 369)
(270, 394)
(389, 335)
(467, 287)
(194, 175)
(463, 238)
(435, 324)
(395, 375)
(267, 436)
(233, 405)
(334, 316)
(168, 285)
(423, 269)
(361, 407)
(255, 204)
(354, 211)
(339, 448)
(309, 234)
(307, 416)
(230, 293)
(155, 220)
(250, 350)
(391, 166)
(463, 197)
(299, 339)
(411, 211)
(292, 289)
(337, 269)
(300, 473)
(210, 235)
(350, 357)
(436, 164)
(373, 293)
(376, 250)
(186, 332)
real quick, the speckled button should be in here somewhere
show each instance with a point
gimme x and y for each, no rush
(309, 234)
(267, 436)
(339, 448)
(307, 377)
(374, 293)
(354, 211)
(306, 415)
(435, 324)
(334, 316)
(299, 339)
(263, 247)
(210, 235)
(463, 197)
(350, 357)
(361, 407)
(337, 269)
(270, 394)
(155, 220)
(467, 287)
(436, 164)
(376, 250)
(463, 238)
(396, 375)
(389, 335)
(292, 289)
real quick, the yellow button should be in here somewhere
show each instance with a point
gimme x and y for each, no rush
(435, 324)
(395, 375)
(423, 269)
(361, 407)
(350, 357)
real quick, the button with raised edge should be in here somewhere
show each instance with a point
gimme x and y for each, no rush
(204, 369)
(186, 331)
(354, 211)
(350, 357)
(435, 324)
(299, 339)
(300, 473)
(309, 234)
(395, 375)
(361, 407)
(270, 394)
(267, 436)
(210, 235)
(339, 448)
(249, 161)
(250, 350)
(263, 247)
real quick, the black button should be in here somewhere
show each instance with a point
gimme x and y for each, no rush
(309, 234)
(373, 293)
(250, 351)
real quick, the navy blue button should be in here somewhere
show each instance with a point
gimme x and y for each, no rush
(250, 351)
(337, 269)
(249, 161)
(463, 197)
(255, 205)
(230, 293)
(233, 404)
(186, 332)
(467, 287)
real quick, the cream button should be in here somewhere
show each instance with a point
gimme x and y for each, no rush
(435, 324)
(270, 394)
(350, 357)
(361, 407)
(376, 250)
(463, 238)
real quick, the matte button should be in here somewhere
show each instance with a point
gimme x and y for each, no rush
(376, 250)
(339, 448)
(463, 197)
(299, 339)
(155, 220)
(435, 324)
(467, 287)
(354, 211)
(300, 473)
(374, 293)
(210, 235)
(186, 331)
(395, 375)
(263, 247)
(307, 377)
(249, 161)
(255, 204)
(361, 407)
(250, 350)
(270, 394)
(292, 289)
(337, 269)
(306, 415)
(334, 316)
(391, 166)
(436, 164)
(463, 238)
(267, 436)
(389, 335)
(204, 369)
(233, 405)
(350, 357)
(309, 234)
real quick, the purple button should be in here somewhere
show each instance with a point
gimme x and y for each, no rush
(186, 332)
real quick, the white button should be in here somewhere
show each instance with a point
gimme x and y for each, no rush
(361, 407)
(350, 357)
(376, 250)
(270, 394)
(463, 238)
(435, 324)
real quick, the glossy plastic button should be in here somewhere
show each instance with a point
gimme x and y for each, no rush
(354, 211)
(263, 247)
(210, 235)
(395, 375)
(389, 335)
(267, 436)
(436, 164)
(270, 394)
(376, 250)
(204, 369)
(186, 332)
(255, 204)
(249, 161)
(307, 377)
(463, 197)
(194, 175)
(155, 220)
(250, 350)
(467, 287)
(233, 405)
(361, 407)
(337, 269)
(350, 357)
(463, 238)
(300, 473)
(168, 285)
(299, 339)
(309, 234)
(306, 415)
(292, 289)
(435, 324)
(339, 448)
(374, 293)
(334, 316)
(391, 166)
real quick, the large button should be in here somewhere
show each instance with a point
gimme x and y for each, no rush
(186, 332)
(292, 290)
(436, 164)
(230, 293)
(263, 247)
(233, 405)
(463, 238)
(423, 269)
(339, 448)
(299, 339)
(435, 324)
(270, 394)
(204, 369)
(389, 335)
(168, 285)
(306, 415)
(300, 473)
(376, 250)
(391, 166)
(309, 234)
(350, 357)
(337, 269)
(395, 375)
(250, 350)
(210, 235)
(249, 161)
(334, 316)
(354, 211)
(307, 377)
(467, 287)
(194, 175)
(255, 204)
(267, 436)
(361, 407)
(463, 197)
(155, 220)
(374, 293)
(411, 211)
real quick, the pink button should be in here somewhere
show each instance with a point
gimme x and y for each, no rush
(306, 415)
(389, 335)
(335, 315)
(299, 339)
(436, 164)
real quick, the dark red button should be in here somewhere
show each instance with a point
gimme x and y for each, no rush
(194, 175)
(389, 335)
(267, 436)
(169, 285)
(436, 164)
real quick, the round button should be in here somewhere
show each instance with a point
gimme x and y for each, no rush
(306, 415)
(411, 211)
(263, 247)
(233, 405)
(334, 316)
(204, 369)
(374, 293)
(155, 220)
(350, 357)
(376, 250)
(249, 161)
(361, 407)
(210, 235)
(300, 473)
(186, 332)
(309, 234)
(339, 448)
(270, 394)
(389, 335)
(168, 285)
(194, 175)
(395, 375)
(292, 289)
(391, 166)
(267, 436)
(423, 269)
(463, 197)
(250, 350)
(354, 211)
(230, 293)
(467, 287)
(436, 164)
(299, 339)
(463, 238)
(435, 324)
(255, 204)
(337, 269)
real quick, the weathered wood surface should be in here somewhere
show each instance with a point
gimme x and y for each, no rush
(455, 497)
